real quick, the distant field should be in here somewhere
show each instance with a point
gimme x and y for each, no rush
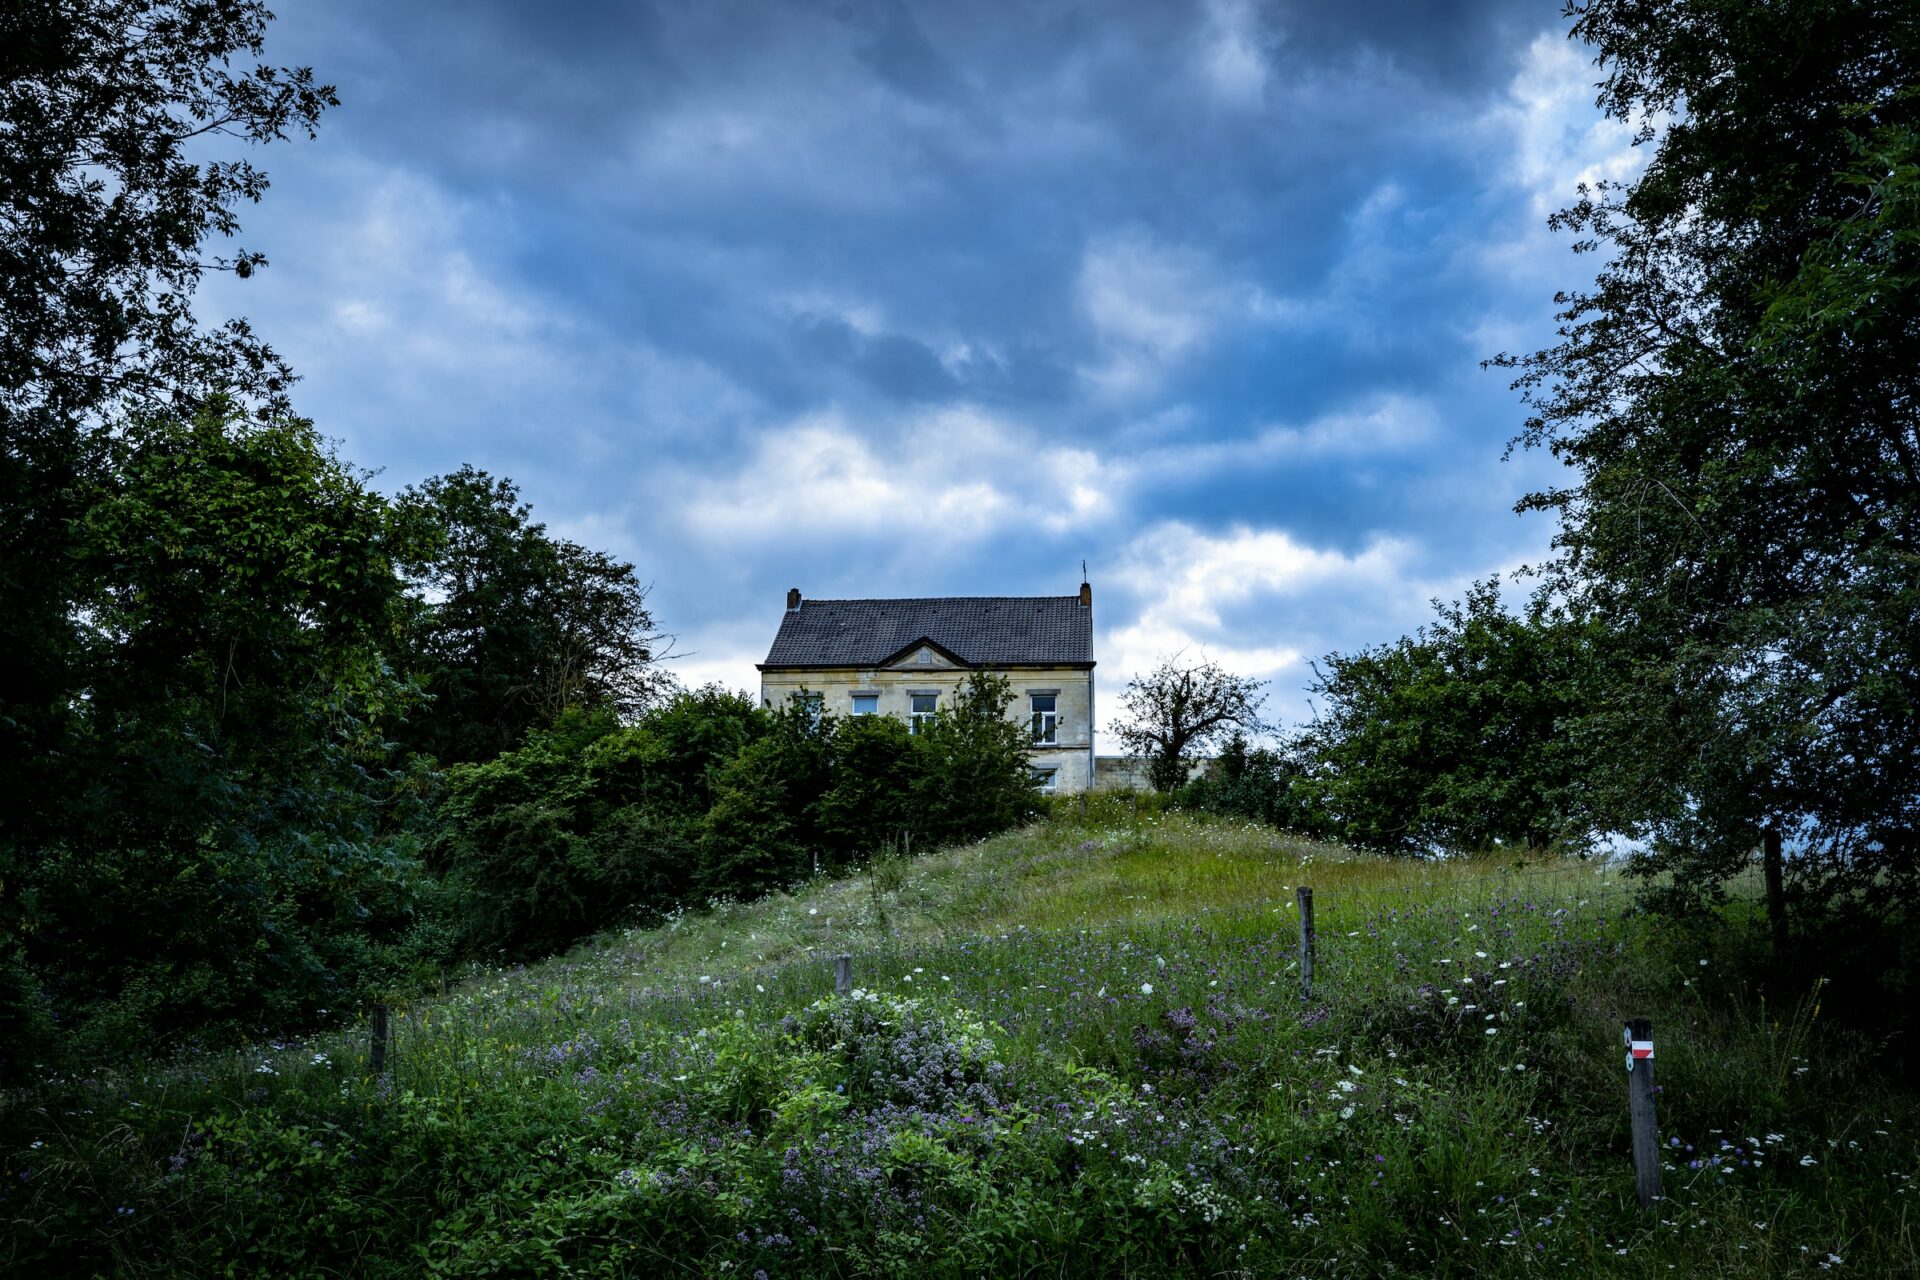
(1078, 1049)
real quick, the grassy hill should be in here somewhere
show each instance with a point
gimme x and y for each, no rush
(1078, 1049)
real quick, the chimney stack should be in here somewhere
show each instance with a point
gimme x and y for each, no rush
(1086, 595)
(793, 598)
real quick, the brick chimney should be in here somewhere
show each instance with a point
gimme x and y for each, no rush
(1086, 595)
(793, 598)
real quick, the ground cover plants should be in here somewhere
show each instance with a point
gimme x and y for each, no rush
(1077, 1048)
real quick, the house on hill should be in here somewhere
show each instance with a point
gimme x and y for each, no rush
(906, 658)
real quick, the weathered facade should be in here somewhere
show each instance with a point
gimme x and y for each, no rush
(906, 658)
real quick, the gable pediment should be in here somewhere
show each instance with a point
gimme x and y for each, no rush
(924, 655)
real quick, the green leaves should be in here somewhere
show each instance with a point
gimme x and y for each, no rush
(1736, 394)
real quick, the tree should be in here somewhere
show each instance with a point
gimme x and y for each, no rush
(974, 777)
(1176, 711)
(1738, 395)
(226, 847)
(512, 627)
(118, 123)
(110, 196)
(1461, 737)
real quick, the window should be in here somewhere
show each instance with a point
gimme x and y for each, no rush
(813, 705)
(1046, 721)
(921, 707)
(1046, 781)
(925, 658)
(866, 704)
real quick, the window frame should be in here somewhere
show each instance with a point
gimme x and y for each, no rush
(1046, 779)
(1045, 725)
(917, 718)
(867, 696)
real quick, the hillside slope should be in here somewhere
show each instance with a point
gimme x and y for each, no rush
(1081, 1048)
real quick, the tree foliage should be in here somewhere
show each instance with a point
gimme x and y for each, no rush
(1737, 397)
(706, 796)
(512, 627)
(112, 193)
(1265, 784)
(223, 843)
(1463, 736)
(1177, 710)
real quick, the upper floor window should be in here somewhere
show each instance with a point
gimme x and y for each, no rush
(921, 707)
(1046, 719)
(866, 704)
(812, 705)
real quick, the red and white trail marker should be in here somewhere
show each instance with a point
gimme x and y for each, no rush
(1637, 1050)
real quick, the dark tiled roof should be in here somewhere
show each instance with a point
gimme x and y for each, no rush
(982, 631)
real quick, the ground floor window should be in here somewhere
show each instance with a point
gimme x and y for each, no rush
(1046, 781)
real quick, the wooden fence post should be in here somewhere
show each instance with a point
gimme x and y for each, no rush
(843, 975)
(378, 1050)
(1305, 897)
(1776, 890)
(1638, 1034)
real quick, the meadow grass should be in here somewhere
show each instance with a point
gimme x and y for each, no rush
(1081, 1048)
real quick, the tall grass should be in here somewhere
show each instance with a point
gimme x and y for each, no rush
(1081, 1048)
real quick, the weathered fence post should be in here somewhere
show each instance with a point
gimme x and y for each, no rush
(843, 975)
(1776, 890)
(1305, 896)
(1638, 1034)
(377, 1057)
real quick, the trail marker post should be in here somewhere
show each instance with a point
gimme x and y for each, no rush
(1305, 898)
(843, 975)
(377, 1050)
(1638, 1034)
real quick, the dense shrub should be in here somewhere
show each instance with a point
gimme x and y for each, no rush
(763, 829)
(592, 823)
(1255, 782)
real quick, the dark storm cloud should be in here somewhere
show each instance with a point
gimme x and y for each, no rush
(998, 286)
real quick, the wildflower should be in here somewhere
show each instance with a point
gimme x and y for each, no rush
(1146, 988)
(813, 911)
(1807, 1162)
(1493, 1031)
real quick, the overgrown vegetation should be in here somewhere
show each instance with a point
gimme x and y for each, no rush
(594, 823)
(1079, 1048)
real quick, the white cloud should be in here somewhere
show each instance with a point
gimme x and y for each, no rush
(1151, 304)
(1232, 63)
(1550, 138)
(1379, 426)
(1560, 138)
(947, 478)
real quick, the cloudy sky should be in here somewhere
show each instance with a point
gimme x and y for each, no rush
(876, 298)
